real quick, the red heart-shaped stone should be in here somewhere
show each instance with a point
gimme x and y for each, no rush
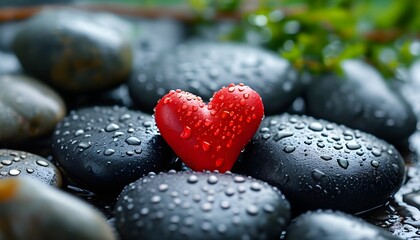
(209, 137)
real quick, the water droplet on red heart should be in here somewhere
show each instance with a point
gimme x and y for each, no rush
(184, 106)
(219, 162)
(225, 114)
(167, 100)
(231, 123)
(229, 144)
(186, 133)
(217, 132)
(254, 116)
(207, 122)
(253, 108)
(242, 101)
(246, 95)
(248, 119)
(231, 89)
(206, 146)
(194, 108)
(241, 88)
(212, 112)
(198, 124)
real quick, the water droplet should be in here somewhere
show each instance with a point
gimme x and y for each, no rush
(42, 163)
(374, 163)
(192, 179)
(112, 127)
(79, 132)
(229, 191)
(206, 207)
(316, 126)
(84, 145)
(352, 145)
(246, 95)
(231, 89)
(6, 162)
(155, 199)
(133, 141)
(320, 145)
(326, 158)
(268, 208)
(206, 146)
(343, 163)
(282, 134)
(117, 134)
(144, 211)
(252, 210)
(255, 186)
(163, 187)
(212, 179)
(224, 204)
(125, 117)
(109, 152)
(317, 175)
(376, 152)
(289, 149)
(186, 133)
(14, 172)
(239, 179)
(29, 170)
(219, 162)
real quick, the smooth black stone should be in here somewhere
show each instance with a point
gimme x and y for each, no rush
(197, 205)
(318, 164)
(17, 163)
(28, 109)
(8, 31)
(331, 225)
(151, 38)
(361, 99)
(105, 148)
(202, 68)
(75, 51)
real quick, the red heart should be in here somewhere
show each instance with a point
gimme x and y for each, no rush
(209, 137)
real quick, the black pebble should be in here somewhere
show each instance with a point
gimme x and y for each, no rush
(329, 225)
(362, 100)
(17, 163)
(318, 164)
(105, 148)
(203, 68)
(197, 205)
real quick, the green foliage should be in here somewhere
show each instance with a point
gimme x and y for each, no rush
(317, 35)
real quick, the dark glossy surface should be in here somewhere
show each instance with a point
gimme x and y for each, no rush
(191, 205)
(318, 164)
(105, 148)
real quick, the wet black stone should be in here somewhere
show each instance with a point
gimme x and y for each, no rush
(197, 205)
(28, 109)
(322, 164)
(362, 100)
(17, 163)
(334, 225)
(80, 51)
(7, 34)
(204, 67)
(105, 148)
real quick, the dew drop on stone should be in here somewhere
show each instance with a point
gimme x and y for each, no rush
(186, 133)
(376, 152)
(343, 163)
(326, 158)
(163, 187)
(212, 179)
(266, 136)
(252, 210)
(316, 126)
(374, 163)
(255, 186)
(239, 179)
(84, 145)
(29, 170)
(155, 199)
(42, 163)
(338, 147)
(317, 175)
(133, 141)
(117, 134)
(308, 142)
(352, 145)
(229, 191)
(320, 145)
(125, 117)
(289, 149)
(112, 127)
(206, 207)
(14, 172)
(144, 211)
(192, 179)
(282, 134)
(6, 162)
(224, 204)
(109, 152)
(79, 132)
(268, 208)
